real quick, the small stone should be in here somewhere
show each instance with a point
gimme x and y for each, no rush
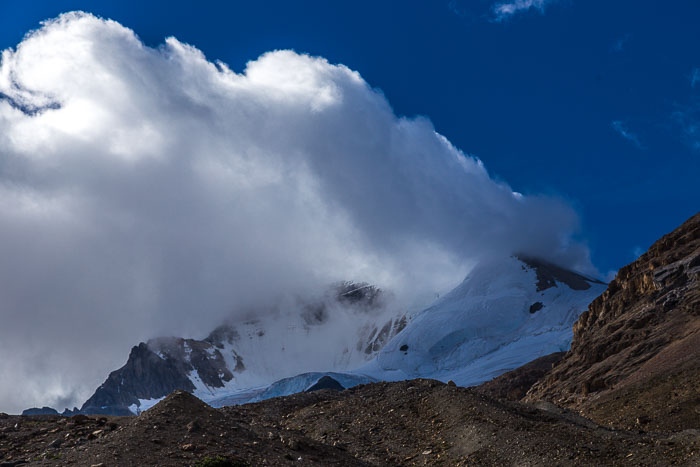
(188, 447)
(55, 443)
(97, 432)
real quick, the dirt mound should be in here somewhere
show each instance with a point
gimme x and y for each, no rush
(514, 384)
(419, 422)
(639, 336)
(179, 404)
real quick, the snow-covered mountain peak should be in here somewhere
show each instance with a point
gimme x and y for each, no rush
(505, 313)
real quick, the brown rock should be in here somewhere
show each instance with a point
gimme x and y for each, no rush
(638, 343)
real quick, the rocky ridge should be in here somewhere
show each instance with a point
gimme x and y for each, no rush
(635, 356)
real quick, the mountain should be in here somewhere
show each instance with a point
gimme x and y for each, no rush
(339, 330)
(503, 315)
(506, 313)
(635, 357)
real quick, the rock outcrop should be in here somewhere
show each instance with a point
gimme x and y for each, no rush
(635, 355)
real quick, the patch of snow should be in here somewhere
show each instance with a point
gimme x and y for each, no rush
(144, 404)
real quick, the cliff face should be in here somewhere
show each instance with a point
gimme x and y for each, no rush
(641, 335)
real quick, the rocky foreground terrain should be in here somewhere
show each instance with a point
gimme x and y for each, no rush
(419, 422)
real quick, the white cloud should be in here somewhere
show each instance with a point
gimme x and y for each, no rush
(505, 10)
(621, 128)
(147, 191)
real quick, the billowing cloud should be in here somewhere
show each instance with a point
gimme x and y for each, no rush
(146, 191)
(505, 10)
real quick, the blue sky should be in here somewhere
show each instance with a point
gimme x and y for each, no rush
(597, 102)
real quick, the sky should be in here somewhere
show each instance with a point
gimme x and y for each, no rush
(592, 101)
(279, 146)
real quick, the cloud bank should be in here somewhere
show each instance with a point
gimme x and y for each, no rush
(150, 191)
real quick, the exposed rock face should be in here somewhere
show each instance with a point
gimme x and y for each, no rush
(549, 274)
(379, 336)
(642, 333)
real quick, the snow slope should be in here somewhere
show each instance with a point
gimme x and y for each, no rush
(505, 314)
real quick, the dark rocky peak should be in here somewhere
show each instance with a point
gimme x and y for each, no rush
(224, 334)
(40, 411)
(326, 382)
(360, 294)
(157, 368)
(144, 376)
(549, 274)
